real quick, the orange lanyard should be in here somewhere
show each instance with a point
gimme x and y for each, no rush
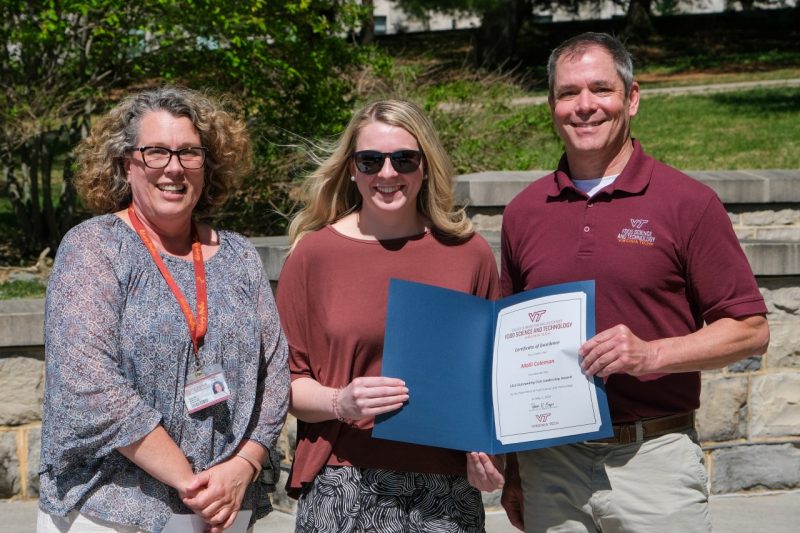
(198, 327)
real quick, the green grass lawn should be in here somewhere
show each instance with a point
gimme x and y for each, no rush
(737, 130)
(482, 131)
(21, 289)
(496, 136)
(652, 80)
(756, 128)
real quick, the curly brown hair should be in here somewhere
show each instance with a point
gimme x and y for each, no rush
(101, 179)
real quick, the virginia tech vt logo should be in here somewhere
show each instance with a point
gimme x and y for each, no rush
(536, 316)
(637, 233)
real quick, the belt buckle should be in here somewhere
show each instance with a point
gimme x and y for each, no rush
(630, 433)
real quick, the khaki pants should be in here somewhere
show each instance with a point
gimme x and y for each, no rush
(659, 485)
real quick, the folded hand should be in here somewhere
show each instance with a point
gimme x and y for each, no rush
(216, 494)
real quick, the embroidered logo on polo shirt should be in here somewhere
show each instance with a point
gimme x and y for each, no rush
(637, 234)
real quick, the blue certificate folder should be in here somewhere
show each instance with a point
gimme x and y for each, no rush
(441, 343)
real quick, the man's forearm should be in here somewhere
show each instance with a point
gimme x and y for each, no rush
(714, 346)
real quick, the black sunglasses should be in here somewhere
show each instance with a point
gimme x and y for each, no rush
(403, 161)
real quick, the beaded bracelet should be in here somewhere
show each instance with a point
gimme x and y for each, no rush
(335, 405)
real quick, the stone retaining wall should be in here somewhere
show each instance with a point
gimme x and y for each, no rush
(749, 421)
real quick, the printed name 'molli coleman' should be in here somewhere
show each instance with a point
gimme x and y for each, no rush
(537, 363)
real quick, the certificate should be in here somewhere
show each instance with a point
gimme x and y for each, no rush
(492, 376)
(192, 523)
(537, 384)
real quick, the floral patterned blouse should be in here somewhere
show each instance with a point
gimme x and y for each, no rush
(118, 355)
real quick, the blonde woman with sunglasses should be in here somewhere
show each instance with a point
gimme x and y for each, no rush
(379, 207)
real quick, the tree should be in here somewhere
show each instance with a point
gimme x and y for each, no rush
(283, 63)
(501, 21)
(291, 67)
(367, 33)
(57, 61)
(639, 21)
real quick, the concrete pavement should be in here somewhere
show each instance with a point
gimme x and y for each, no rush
(776, 512)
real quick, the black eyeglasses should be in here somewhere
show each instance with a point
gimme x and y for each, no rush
(403, 161)
(159, 157)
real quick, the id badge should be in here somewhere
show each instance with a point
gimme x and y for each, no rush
(208, 389)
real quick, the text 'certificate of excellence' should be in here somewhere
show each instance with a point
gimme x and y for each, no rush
(487, 376)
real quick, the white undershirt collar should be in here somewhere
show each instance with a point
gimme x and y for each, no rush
(592, 186)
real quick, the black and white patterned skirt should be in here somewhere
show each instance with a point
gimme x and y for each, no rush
(348, 499)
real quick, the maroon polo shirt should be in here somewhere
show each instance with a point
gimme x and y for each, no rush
(663, 255)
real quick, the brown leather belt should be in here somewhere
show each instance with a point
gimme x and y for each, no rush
(649, 428)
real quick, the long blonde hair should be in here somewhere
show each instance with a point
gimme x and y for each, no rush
(330, 194)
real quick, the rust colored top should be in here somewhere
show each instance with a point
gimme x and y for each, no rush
(332, 300)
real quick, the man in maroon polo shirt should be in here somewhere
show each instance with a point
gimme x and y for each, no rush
(665, 261)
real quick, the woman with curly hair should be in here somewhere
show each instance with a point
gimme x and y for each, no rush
(379, 207)
(146, 309)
